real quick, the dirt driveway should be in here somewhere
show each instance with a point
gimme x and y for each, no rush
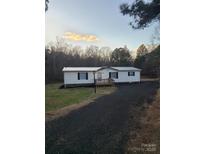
(100, 127)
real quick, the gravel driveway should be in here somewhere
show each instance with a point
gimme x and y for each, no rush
(100, 127)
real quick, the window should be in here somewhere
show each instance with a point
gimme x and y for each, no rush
(113, 75)
(82, 76)
(131, 73)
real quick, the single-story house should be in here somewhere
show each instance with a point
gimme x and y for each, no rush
(100, 75)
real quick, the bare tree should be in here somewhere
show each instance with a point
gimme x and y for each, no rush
(142, 50)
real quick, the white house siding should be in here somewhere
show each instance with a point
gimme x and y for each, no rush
(105, 73)
(123, 77)
(72, 77)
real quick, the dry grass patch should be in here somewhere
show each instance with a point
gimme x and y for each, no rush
(145, 136)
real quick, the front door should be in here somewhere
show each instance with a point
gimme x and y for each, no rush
(99, 76)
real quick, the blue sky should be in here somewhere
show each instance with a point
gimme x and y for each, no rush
(93, 22)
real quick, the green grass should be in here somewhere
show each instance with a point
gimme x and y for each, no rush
(56, 98)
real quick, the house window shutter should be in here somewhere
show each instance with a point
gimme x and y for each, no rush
(109, 74)
(117, 75)
(128, 73)
(134, 73)
(86, 75)
(78, 76)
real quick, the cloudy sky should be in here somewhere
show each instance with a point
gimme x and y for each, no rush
(93, 22)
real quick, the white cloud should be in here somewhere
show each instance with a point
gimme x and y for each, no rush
(80, 37)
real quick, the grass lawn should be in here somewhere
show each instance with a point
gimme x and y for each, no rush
(56, 98)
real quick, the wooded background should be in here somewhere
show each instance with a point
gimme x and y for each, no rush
(60, 54)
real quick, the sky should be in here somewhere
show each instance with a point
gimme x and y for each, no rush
(93, 22)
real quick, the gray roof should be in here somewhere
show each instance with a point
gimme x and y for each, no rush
(92, 69)
(126, 68)
(89, 69)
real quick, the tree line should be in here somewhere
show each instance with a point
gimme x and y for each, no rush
(149, 62)
(60, 54)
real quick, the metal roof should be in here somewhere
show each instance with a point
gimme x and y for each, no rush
(89, 69)
(92, 69)
(126, 68)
